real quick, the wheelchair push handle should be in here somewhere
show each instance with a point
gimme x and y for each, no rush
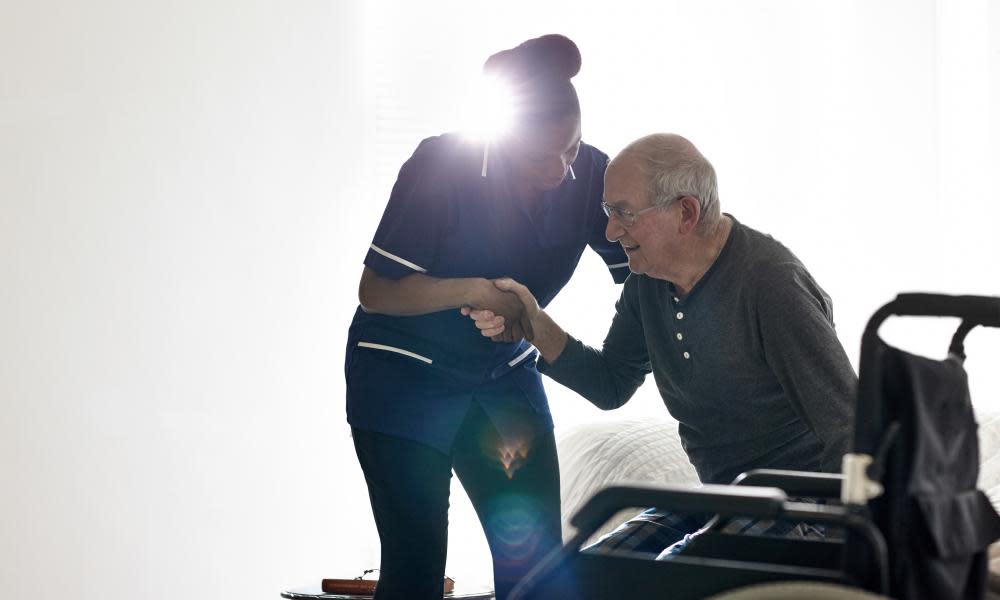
(972, 310)
(984, 310)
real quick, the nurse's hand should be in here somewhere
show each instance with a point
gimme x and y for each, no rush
(495, 326)
(492, 325)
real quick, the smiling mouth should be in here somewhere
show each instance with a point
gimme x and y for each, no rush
(629, 249)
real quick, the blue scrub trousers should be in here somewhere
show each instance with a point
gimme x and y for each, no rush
(409, 484)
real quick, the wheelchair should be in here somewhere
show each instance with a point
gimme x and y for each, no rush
(914, 526)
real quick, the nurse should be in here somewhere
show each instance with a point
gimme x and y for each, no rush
(426, 394)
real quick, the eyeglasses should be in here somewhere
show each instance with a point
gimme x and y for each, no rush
(628, 218)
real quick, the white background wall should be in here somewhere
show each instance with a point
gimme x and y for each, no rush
(187, 190)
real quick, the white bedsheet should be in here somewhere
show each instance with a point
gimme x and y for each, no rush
(599, 454)
(989, 454)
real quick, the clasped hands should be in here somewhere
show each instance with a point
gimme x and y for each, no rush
(506, 312)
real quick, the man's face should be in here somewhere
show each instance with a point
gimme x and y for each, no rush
(648, 242)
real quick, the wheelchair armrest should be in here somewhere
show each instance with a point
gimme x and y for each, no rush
(760, 502)
(725, 500)
(794, 483)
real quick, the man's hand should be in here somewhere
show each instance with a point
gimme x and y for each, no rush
(505, 328)
(528, 302)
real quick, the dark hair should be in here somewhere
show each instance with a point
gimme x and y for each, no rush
(539, 72)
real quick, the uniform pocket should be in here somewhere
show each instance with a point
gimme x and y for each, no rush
(402, 351)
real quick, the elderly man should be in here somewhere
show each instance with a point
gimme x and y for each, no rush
(738, 335)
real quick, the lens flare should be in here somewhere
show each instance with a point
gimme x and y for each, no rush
(489, 110)
(512, 455)
(516, 525)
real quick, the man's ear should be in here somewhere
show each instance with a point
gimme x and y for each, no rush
(690, 214)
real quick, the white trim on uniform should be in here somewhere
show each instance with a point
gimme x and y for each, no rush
(523, 356)
(619, 265)
(401, 261)
(396, 350)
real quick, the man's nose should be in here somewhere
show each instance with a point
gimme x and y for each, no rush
(614, 231)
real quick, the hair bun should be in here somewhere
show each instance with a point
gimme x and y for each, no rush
(551, 56)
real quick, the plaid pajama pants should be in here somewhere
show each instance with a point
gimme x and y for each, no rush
(661, 534)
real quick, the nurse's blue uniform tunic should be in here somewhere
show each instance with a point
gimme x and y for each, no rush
(415, 377)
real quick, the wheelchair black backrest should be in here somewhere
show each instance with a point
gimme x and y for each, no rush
(915, 418)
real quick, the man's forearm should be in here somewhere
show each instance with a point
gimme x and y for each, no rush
(549, 339)
(607, 378)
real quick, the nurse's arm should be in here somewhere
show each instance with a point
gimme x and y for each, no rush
(420, 294)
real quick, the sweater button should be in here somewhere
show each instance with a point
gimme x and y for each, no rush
(680, 336)
(680, 315)
(687, 355)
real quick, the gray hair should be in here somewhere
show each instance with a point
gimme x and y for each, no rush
(673, 168)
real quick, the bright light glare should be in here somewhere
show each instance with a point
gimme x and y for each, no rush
(489, 110)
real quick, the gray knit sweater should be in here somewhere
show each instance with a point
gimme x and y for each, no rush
(748, 363)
